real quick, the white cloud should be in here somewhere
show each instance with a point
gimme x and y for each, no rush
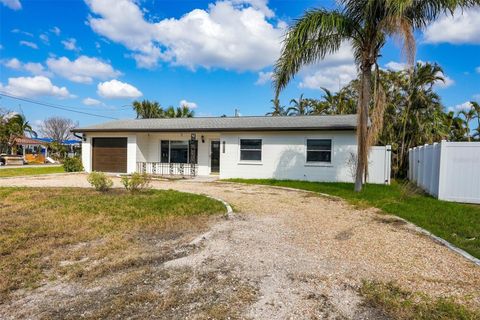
(264, 77)
(477, 69)
(12, 4)
(334, 72)
(29, 44)
(116, 89)
(71, 44)
(83, 70)
(33, 86)
(396, 66)
(461, 107)
(34, 68)
(44, 38)
(461, 28)
(55, 30)
(16, 30)
(230, 35)
(189, 104)
(91, 102)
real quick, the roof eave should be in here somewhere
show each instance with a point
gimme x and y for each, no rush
(343, 128)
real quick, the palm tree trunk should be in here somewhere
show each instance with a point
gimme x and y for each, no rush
(362, 126)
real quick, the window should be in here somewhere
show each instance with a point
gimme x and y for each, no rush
(177, 151)
(319, 150)
(251, 149)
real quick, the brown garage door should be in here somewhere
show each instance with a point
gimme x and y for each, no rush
(109, 154)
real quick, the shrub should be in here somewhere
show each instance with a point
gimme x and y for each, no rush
(72, 164)
(136, 182)
(100, 181)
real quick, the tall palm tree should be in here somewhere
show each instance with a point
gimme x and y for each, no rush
(300, 107)
(468, 115)
(365, 24)
(148, 109)
(476, 107)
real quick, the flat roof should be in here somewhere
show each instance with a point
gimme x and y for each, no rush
(204, 124)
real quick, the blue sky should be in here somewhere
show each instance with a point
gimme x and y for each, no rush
(97, 56)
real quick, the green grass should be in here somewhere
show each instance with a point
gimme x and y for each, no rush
(29, 171)
(455, 222)
(400, 304)
(41, 227)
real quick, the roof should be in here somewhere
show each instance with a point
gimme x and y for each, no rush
(28, 141)
(265, 123)
(64, 142)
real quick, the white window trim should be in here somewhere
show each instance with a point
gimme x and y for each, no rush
(249, 162)
(319, 163)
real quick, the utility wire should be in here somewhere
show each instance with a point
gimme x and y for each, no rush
(49, 105)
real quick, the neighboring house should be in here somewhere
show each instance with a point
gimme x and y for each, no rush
(316, 148)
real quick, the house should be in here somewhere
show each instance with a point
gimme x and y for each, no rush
(316, 148)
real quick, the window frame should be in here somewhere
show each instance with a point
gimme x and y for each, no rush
(240, 161)
(319, 163)
(170, 153)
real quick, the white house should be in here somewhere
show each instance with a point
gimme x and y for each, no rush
(315, 148)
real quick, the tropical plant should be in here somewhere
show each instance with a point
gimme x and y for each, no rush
(180, 112)
(365, 24)
(147, 109)
(136, 182)
(300, 107)
(278, 109)
(467, 115)
(73, 164)
(14, 126)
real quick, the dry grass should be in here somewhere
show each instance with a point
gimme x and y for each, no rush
(78, 234)
(397, 303)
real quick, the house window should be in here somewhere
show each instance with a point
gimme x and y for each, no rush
(251, 149)
(177, 151)
(319, 150)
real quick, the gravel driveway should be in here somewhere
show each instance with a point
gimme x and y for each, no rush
(308, 254)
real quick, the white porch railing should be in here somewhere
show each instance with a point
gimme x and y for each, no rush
(168, 169)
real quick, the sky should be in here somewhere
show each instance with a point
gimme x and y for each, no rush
(97, 56)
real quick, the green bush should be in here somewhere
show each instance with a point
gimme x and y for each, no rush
(136, 182)
(100, 181)
(72, 164)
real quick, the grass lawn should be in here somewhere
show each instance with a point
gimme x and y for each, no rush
(455, 222)
(28, 171)
(77, 234)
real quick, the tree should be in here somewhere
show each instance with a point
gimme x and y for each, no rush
(301, 107)
(278, 109)
(148, 109)
(366, 25)
(57, 128)
(180, 112)
(14, 125)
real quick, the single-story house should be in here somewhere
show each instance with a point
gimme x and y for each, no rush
(316, 148)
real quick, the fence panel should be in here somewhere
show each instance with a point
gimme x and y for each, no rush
(447, 170)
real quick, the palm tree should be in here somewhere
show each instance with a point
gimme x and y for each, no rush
(468, 115)
(278, 110)
(365, 24)
(148, 109)
(16, 127)
(476, 107)
(301, 107)
(180, 112)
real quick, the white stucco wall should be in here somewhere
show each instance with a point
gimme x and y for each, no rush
(131, 148)
(284, 156)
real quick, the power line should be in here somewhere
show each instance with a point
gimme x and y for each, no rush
(54, 106)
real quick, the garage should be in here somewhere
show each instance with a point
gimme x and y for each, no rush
(109, 154)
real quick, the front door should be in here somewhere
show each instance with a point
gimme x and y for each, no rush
(215, 157)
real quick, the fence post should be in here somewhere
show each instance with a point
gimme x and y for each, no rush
(442, 169)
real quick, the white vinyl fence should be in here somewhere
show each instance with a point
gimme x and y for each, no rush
(447, 170)
(380, 164)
